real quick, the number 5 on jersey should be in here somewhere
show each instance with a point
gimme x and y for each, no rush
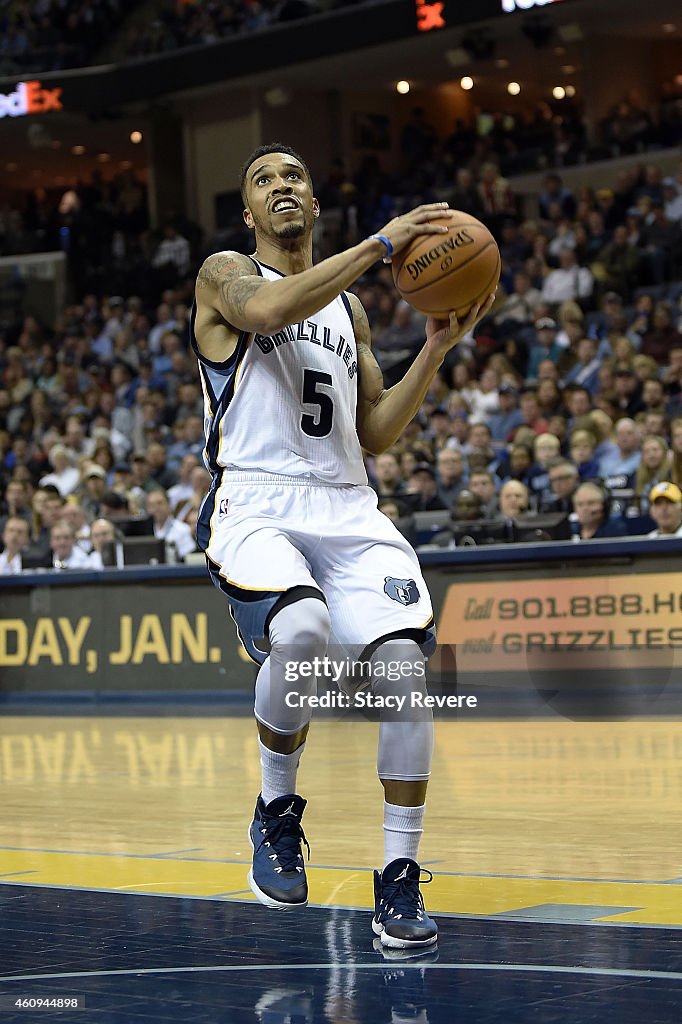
(318, 424)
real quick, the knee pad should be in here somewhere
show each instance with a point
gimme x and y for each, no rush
(299, 633)
(405, 729)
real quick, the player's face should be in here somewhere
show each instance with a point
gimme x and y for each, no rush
(279, 196)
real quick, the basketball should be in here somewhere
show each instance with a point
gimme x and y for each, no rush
(437, 274)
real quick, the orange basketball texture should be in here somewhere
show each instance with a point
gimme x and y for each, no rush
(440, 273)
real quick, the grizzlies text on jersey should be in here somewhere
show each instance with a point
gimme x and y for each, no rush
(286, 404)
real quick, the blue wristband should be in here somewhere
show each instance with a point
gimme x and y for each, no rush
(387, 243)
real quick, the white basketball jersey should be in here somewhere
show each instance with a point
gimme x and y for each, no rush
(286, 404)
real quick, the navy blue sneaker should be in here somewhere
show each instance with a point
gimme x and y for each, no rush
(277, 875)
(399, 919)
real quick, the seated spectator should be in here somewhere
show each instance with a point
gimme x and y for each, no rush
(591, 506)
(482, 484)
(484, 399)
(665, 508)
(672, 200)
(531, 412)
(519, 306)
(451, 474)
(387, 475)
(569, 281)
(173, 252)
(165, 526)
(64, 475)
(66, 554)
(514, 499)
(546, 447)
(545, 346)
(94, 486)
(422, 488)
(16, 502)
(15, 537)
(467, 507)
(508, 415)
(617, 268)
(585, 371)
(187, 511)
(662, 336)
(555, 194)
(654, 468)
(583, 445)
(661, 240)
(549, 399)
(158, 467)
(439, 427)
(578, 402)
(563, 481)
(75, 516)
(182, 491)
(103, 532)
(627, 392)
(626, 460)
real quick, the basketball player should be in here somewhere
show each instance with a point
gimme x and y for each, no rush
(291, 531)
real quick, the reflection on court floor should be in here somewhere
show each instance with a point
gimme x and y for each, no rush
(123, 861)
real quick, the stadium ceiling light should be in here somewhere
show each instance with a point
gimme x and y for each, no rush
(570, 90)
(136, 137)
(558, 92)
(403, 87)
(501, 63)
(78, 150)
(513, 88)
(104, 158)
(466, 83)
(669, 27)
(568, 69)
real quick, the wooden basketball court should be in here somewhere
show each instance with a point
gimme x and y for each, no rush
(558, 841)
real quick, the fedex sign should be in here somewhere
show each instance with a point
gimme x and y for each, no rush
(29, 98)
(523, 5)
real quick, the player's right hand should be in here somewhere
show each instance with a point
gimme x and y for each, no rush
(401, 230)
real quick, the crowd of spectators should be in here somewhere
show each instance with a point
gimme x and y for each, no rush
(187, 23)
(566, 404)
(49, 35)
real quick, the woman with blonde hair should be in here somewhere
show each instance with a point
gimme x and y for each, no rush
(654, 467)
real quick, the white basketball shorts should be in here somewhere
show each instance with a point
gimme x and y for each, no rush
(264, 534)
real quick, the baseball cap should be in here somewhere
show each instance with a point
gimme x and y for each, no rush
(424, 467)
(96, 471)
(545, 321)
(667, 490)
(507, 389)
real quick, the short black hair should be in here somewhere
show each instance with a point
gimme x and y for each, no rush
(271, 147)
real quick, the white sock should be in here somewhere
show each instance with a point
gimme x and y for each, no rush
(278, 772)
(402, 831)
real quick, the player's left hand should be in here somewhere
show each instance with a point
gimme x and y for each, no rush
(442, 335)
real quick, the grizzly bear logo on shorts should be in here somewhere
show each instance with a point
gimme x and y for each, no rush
(402, 591)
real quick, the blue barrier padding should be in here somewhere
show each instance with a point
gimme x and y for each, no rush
(504, 554)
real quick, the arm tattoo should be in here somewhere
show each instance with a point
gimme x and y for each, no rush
(236, 292)
(216, 268)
